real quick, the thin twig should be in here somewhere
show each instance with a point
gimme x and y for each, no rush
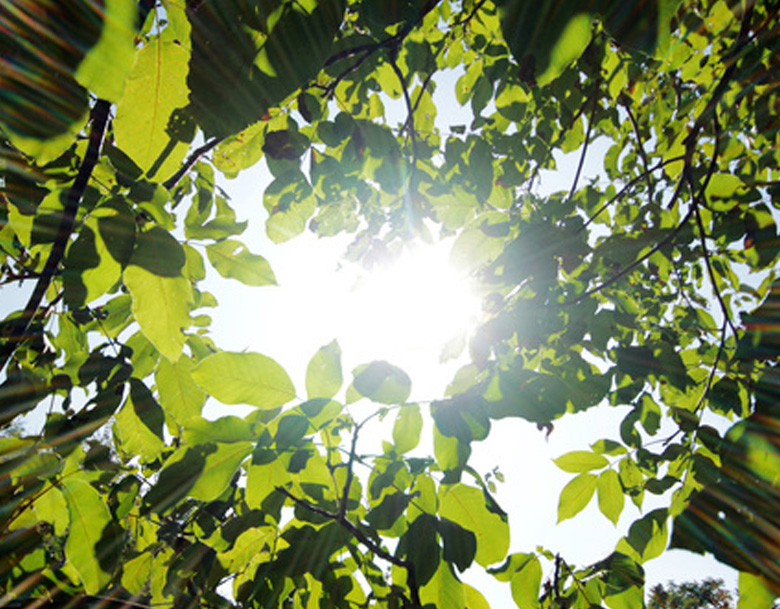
(350, 473)
(367, 50)
(584, 152)
(631, 183)
(631, 266)
(698, 199)
(711, 375)
(22, 324)
(191, 160)
(409, 108)
(365, 540)
(470, 16)
(711, 271)
(642, 153)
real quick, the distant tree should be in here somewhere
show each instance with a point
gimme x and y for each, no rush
(709, 593)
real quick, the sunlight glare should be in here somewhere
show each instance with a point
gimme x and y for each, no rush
(409, 310)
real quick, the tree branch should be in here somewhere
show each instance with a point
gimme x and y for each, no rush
(21, 325)
(631, 183)
(191, 160)
(409, 107)
(366, 541)
(367, 50)
(350, 473)
(584, 152)
(642, 153)
(711, 375)
(633, 265)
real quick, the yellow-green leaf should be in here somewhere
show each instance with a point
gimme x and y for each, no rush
(754, 592)
(232, 260)
(146, 127)
(407, 427)
(576, 495)
(220, 466)
(465, 505)
(106, 65)
(262, 479)
(323, 374)
(89, 516)
(525, 584)
(134, 437)
(136, 572)
(161, 306)
(723, 185)
(579, 461)
(611, 496)
(244, 378)
(443, 589)
(180, 396)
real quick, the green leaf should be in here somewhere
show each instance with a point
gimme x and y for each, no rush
(224, 429)
(134, 436)
(323, 374)
(51, 507)
(248, 268)
(407, 428)
(723, 185)
(105, 67)
(526, 582)
(384, 516)
(202, 472)
(443, 589)
(466, 506)
(136, 573)
(219, 469)
(647, 537)
(460, 545)
(611, 496)
(382, 382)
(755, 591)
(263, 478)
(180, 396)
(576, 495)
(147, 127)
(161, 306)
(608, 447)
(579, 461)
(244, 378)
(89, 518)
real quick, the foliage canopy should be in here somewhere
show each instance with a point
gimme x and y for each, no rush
(654, 289)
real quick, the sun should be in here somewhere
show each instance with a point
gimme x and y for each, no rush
(411, 310)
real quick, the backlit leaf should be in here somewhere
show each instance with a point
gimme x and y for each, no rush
(180, 396)
(244, 378)
(147, 127)
(579, 461)
(89, 518)
(161, 307)
(105, 67)
(576, 495)
(407, 428)
(323, 374)
(754, 591)
(242, 265)
(382, 382)
(465, 505)
(611, 496)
